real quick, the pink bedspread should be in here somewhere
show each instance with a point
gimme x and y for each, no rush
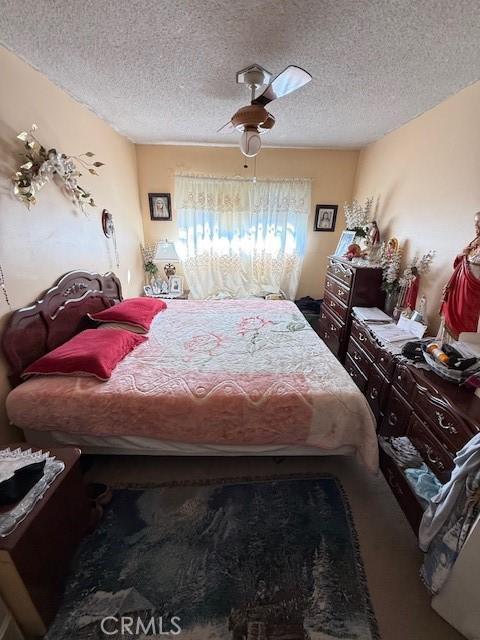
(217, 372)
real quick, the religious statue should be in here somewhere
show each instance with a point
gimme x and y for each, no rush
(374, 234)
(460, 308)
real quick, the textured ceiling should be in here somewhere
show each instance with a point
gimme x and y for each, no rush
(165, 71)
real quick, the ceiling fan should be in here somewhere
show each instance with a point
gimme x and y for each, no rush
(253, 119)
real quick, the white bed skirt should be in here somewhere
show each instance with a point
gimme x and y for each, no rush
(132, 445)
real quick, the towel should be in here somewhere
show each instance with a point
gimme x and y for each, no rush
(448, 520)
(467, 463)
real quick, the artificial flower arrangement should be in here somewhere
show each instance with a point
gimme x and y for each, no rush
(390, 259)
(40, 165)
(148, 254)
(358, 217)
(416, 268)
(410, 281)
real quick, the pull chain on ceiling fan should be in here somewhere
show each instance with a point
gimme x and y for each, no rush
(253, 119)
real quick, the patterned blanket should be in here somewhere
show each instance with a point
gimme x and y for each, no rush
(218, 372)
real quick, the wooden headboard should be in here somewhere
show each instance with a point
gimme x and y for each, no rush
(56, 316)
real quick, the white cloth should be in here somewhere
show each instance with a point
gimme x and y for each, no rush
(441, 506)
(239, 238)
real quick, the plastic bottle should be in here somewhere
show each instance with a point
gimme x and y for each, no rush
(435, 351)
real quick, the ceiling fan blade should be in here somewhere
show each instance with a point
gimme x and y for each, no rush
(227, 127)
(290, 79)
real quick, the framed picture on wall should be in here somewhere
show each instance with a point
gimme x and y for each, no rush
(345, 241)
(160, 206)
(325, 217)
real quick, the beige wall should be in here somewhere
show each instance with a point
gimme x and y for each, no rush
(426, 176)
(332, 172)
(37, 247)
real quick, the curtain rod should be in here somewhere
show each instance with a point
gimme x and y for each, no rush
(239, 178)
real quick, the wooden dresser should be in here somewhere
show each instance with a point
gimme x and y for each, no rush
(437, 416)
(346, 286)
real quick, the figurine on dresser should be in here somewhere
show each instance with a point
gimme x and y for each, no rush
(460, 308)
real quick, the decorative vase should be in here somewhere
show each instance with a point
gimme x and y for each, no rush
(391, 301)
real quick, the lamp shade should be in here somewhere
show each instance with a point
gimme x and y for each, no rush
(166, 252)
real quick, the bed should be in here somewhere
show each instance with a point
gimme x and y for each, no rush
(230, 377)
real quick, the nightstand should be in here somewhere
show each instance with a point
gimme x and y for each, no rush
(34, 558)
(167, 296)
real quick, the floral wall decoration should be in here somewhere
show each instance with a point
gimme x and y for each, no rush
(40, 165)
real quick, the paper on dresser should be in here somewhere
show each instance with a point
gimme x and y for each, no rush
(392, 333)
(372, 315)
(417, 329)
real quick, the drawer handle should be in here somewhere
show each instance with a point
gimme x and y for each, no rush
(325, 335)
(332, 304)
(432, 458)
(329, 286)
(362, 337)
(382, 359)
(351, 372)
(333, 328)
(356, 356)
(374, 393)
(340, 293)
(399, 377)
(392, 419)
(445, 425)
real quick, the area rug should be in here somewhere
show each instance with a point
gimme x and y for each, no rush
(234, 560)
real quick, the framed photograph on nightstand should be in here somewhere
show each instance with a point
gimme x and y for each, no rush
(176, 285)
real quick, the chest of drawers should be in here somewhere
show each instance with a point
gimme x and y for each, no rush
(346, 286)
(438, 417)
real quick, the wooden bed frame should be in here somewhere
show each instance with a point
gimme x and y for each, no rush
(57, 315)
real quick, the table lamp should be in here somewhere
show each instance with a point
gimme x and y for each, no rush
(167, 253)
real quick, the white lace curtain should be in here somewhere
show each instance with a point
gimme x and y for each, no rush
(239, 238)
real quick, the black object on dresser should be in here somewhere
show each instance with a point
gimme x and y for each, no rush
(346, 286)
(437, 416)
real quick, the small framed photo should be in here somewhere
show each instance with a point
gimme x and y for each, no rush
(345, 241)
(148, 291)
(325, 217)
(176, 285)
(160, 206)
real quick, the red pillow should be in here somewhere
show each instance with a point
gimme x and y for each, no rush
(93, 352)
(137, 312)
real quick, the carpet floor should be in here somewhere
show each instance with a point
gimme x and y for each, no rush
(388, 547)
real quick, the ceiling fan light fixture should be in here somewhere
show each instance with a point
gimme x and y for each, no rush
(250, 143)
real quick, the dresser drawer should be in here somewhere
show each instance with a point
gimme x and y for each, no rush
(339, 291)
(385, 361)
(397, 415)
(447, 426)
(404, 381)
(341, 271)
(376, 391)
(335, 306)
(363, 338)
(360, 357)
(330, 331)
(402, 490)
(436, 457)
(355, 373)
